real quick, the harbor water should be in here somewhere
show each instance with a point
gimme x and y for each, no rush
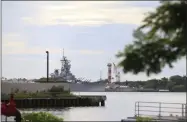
(119, 105)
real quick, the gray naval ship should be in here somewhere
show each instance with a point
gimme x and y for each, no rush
(73, 83)
(64, 77)
(64, 74)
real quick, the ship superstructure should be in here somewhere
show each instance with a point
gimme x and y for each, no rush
(65, 73)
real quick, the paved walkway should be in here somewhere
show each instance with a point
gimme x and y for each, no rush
(157, 119)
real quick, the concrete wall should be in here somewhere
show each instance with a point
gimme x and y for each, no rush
(87, 87)
(33, 87)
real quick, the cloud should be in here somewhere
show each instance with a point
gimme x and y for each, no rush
(87, 13)
(14, 43)
(89, 52)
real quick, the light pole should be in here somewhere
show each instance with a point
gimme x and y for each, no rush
(47, 65)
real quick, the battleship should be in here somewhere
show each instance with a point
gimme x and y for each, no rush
(70, 82)
(79, 84)
(63, 74)
(76, 84)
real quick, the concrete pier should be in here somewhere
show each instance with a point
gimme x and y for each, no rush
(80, 101)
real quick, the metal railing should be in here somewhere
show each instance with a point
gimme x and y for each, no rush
(160, 109)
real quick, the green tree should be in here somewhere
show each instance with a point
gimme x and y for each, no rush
(153, 83)
(178, 88)
(170, 85)
(178, 80)
(163, 43)
(163, 83)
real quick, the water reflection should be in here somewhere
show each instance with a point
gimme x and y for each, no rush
(118, 106)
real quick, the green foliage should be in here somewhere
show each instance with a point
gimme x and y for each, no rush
(178, 88)
(32, 95)
(152, 84)
(55, 91)
(40, 117)
(4, 96)
(143, 119)
(175, 83)
(163, 44)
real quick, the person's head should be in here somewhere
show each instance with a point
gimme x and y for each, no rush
(11, 96)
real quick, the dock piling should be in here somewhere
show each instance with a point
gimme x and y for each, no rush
(82, 101)
(102, 103)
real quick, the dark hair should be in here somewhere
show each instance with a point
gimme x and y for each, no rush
(11, 96)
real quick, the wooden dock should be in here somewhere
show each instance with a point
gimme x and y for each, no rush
(77, 101)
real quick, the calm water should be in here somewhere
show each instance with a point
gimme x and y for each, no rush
(119, 105)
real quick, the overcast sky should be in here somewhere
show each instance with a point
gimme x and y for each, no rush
(91, 33)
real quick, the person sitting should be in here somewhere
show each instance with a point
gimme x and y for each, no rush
(9, 109)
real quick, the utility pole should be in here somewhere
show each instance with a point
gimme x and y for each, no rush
(47, 66)
(185, 39)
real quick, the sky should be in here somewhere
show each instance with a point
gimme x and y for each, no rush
(91, 33)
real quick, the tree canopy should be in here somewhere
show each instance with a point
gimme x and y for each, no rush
(174, 83)
(160, 41)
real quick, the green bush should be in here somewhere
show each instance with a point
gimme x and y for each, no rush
(143, 119)
(55, 91)
(40, 117)
(178, 88)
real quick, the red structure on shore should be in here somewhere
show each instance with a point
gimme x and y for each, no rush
(10, 109)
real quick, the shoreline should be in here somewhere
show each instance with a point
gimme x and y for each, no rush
(32, 87)
(130, 91)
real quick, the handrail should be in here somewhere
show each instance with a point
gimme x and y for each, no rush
(159, 109)
(162, 107)
(159, 102)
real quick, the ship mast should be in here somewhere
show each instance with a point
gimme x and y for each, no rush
(100, 75)
(62, 60)
(63, 52)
